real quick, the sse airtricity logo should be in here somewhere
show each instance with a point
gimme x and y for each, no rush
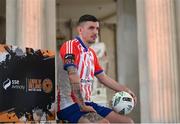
(6, 83)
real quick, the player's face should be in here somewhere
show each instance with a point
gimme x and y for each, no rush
(89, 31)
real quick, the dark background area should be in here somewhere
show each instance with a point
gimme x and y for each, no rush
(2, 21)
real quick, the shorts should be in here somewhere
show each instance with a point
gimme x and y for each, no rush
(72, 113)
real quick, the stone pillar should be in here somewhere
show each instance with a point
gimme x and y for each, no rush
(177, 20)
(158, 60)
(29, 25)
(127, 50)
(49, 24)
(143, 63)
(11, 22)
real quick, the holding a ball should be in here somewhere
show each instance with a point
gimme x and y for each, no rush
(122, 103)
(81, 64)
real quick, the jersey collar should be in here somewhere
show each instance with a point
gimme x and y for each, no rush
(82, 43)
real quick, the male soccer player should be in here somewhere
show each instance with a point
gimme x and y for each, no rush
(81, 64)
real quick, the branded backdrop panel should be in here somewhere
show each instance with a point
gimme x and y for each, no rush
(27, 84)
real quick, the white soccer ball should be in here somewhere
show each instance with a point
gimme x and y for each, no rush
(122, 103)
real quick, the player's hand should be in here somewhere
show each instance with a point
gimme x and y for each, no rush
(86, 108)
(133, 95)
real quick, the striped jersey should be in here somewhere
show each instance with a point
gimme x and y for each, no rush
(75, 53)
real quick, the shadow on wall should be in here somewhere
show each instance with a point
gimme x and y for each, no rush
(2, 30)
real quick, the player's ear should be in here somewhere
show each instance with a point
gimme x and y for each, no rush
(79, 29)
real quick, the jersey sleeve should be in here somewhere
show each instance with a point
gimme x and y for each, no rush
(98, 68)
(68, 54)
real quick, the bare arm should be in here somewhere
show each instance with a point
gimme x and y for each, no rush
(75, 85)
(112, 84)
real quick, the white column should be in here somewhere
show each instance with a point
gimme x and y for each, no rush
(11, 22)
(127, 49)
(143, 63)
(49, 24)
(177, 20)
(162, 67)
(31, 23)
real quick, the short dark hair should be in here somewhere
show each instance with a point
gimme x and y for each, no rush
(85, 18)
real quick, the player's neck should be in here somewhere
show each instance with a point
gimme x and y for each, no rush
(85, 42)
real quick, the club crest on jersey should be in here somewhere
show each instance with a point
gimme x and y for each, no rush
(69, 58)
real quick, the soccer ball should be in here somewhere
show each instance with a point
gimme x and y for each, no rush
(122, 103)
